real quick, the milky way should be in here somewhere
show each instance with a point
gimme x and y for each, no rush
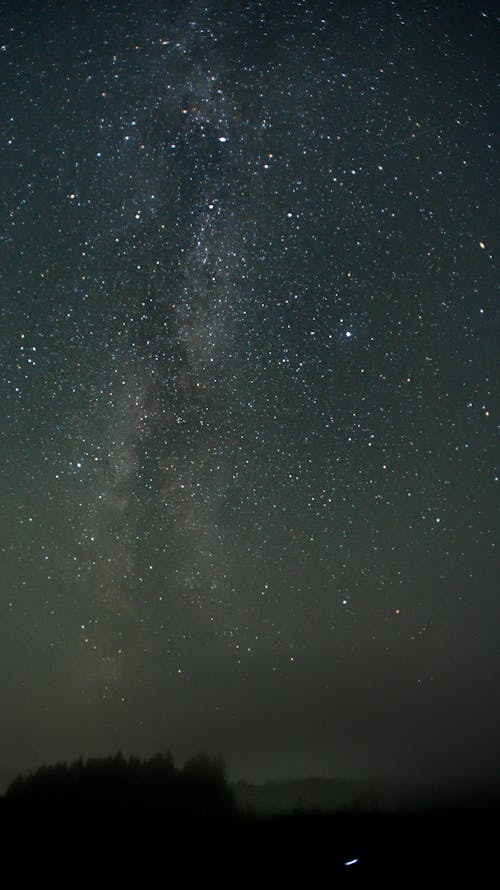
(248, 366)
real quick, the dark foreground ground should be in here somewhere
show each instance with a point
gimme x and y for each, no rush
(77, 845)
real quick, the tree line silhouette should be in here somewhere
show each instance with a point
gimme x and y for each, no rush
(198, 790)
(129, 812)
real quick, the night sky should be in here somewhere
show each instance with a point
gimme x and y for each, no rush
(248, 359)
